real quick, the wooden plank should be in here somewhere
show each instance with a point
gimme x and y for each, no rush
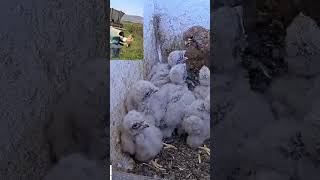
(116, 175)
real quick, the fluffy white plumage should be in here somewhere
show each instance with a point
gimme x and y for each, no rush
(140, 138)
(198, 108)
(152, 101)
(178, 74)
(201, 92)
(155, 105)
(196, 123)
(203, 89)
(165, 107)
(159, 74)
(176, 57)
(197, 131)
(177, 105)
(140, 91)
(179, 97)
(204, 76)
(172, 103)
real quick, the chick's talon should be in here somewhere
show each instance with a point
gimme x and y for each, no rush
(206, 149)
(199, 158)
(155, 164)
(167, 146)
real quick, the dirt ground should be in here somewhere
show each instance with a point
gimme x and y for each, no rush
(180, 163)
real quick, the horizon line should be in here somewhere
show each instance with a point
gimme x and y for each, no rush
(126, 13)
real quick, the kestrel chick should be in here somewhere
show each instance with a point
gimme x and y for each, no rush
(139, 138)
(159, 74)
(178, 74)
(177, 57)
(198, 130)
(139, 92)
(203, 89)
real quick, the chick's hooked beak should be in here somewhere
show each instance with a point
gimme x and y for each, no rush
(149, 93)
(155, 90)
(144, 125)
(188, 42)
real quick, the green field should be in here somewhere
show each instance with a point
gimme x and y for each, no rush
(135, 51)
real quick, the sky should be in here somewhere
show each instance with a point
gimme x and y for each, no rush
(130, 7)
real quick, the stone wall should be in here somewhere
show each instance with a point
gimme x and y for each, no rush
(41, 42)
(123, 75)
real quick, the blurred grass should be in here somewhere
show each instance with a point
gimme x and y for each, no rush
(135, 51)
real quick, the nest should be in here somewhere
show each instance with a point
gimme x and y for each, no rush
(180, 163)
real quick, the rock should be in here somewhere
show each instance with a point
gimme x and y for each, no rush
(123, 75)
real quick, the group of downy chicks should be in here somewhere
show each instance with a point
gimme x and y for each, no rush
(163, 104)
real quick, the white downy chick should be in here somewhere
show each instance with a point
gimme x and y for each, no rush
(177, 57)
(178, 74)
(196, 123)
(204, 76)
(178, 103)
(140, 91)
(139, 138)
(203, 89)
(159, 74)
(198, 130)
(199, 108)
(180, 97)
(154, 106)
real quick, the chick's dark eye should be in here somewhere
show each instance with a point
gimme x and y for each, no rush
(135, 126)
(148, 94)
